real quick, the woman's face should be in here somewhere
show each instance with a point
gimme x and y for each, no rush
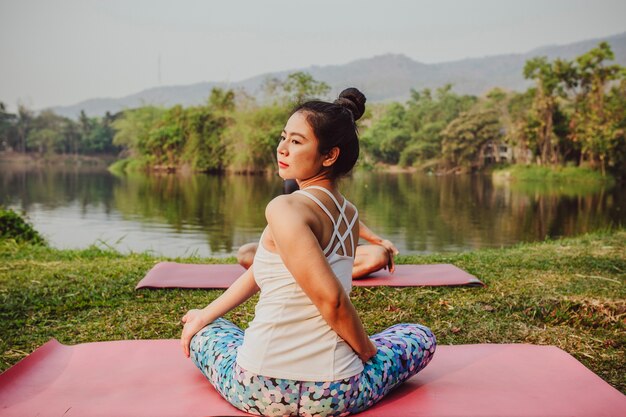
(297, 152)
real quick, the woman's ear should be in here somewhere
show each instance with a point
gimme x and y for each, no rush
(331, 157)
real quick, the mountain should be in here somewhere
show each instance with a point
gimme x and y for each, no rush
(382, 78)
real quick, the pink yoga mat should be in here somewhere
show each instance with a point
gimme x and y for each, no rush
(153, 378)
(175, 275)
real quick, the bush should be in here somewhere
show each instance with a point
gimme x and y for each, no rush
(128, 165)
(13, 226)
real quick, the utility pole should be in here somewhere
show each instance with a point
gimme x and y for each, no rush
(159, 69)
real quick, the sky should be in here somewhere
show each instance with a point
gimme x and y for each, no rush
(60, 52)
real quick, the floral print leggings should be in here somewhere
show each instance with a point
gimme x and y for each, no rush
(403, 350)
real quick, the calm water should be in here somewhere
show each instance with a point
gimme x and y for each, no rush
(212, 216)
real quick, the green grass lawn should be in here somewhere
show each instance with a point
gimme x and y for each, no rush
(570, 293)
(536, 173)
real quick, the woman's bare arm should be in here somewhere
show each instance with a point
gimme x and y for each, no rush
(367, 234)
(241, 290)
(300, 251)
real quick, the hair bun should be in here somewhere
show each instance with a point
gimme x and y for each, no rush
(353, 100)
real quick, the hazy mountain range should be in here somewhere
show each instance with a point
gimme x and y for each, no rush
(381, 78)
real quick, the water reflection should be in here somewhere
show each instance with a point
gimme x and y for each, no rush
(222, 206)
(459, 213)
(210, 215)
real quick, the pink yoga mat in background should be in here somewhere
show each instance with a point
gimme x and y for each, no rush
(176, 275)
(153, 378)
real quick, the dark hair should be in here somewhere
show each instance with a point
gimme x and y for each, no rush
(334, 126)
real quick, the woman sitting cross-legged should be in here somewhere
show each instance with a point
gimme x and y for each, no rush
(306, 351)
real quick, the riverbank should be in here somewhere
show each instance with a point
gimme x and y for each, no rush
(520, 173)
(570, 293)
(536, 173)
(46, 160)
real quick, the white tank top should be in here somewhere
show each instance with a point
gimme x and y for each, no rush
(288, 337)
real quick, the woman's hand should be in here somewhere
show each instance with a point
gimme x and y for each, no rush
(193, 323)
(391, 252)
(366, 356)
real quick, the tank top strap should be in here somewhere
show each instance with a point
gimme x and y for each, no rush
(323, 207)
(342, 213)
(340, 207)
(342, 216)
(349, 229)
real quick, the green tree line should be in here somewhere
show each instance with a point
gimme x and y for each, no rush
(574, 114)
(49, 133)
(231, 131)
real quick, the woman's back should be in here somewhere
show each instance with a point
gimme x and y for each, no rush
(288, 337)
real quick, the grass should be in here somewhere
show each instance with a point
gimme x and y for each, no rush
(128, 165)
(570, 293)
(553, 174)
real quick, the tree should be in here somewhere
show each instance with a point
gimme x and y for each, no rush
(548, 78)
(167, 137)
(222, 100)
(301, 86)
(85, 126)
(293, 90)
(426, 117)
(7, 128)
(471, 138)
(520, 133)
(23, 126)
(46, 133)
(252, 137)
(595, 124)
(616, 106)
(72, 135)
(96, 134)
(205, 147)
(132, 128)
(386, 139)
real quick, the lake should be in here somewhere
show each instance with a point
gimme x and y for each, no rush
(203, 215)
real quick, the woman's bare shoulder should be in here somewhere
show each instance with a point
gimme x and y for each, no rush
(289, 206)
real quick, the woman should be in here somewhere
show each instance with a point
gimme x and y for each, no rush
(306, 351)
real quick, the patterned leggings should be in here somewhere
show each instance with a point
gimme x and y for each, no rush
(403, 350)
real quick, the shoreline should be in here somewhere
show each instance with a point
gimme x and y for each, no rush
(122, 166)
(17, 158)
(536, 173)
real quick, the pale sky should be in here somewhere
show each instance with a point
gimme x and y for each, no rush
(60, 52)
